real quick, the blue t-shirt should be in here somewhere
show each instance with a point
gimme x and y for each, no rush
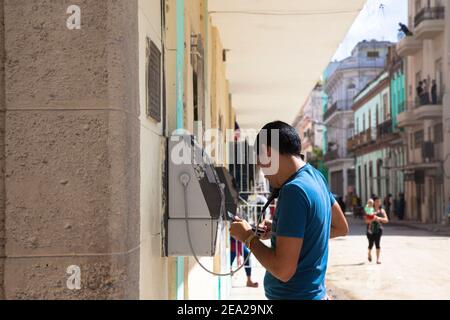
(303, 211)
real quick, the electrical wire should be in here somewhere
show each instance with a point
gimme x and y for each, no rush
(184, 179)
(286, 13)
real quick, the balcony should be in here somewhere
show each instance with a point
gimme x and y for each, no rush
(384, 131)
(331, 155)
(406, 118)
(428, 110)
(408, 46)
(429, 22)
(340, 105)
(360, 140)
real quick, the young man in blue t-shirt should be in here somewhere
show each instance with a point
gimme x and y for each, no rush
(307, 216)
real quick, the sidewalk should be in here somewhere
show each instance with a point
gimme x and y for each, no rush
(439, 229)
(240, 292)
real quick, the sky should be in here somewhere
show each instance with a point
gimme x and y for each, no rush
(378, 20)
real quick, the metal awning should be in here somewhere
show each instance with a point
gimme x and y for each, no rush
(278, 50)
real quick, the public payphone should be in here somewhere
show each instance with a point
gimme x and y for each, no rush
(196, 199)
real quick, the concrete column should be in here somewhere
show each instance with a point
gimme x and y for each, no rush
(72, 149)
(2, 151)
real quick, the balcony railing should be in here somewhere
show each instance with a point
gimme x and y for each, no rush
(435, 13)
(337, 106)
(384, 130)
(331, 155)
(430, 99)
(360, 140)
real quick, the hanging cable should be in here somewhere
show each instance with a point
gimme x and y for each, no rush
(185, 179)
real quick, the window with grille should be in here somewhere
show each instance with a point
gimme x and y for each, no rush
(153, 79)
(373, 54)
(418, 139)
(386, 109)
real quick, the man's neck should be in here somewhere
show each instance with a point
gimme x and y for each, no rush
(290, 166)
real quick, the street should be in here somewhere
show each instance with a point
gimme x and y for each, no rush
(415, 265)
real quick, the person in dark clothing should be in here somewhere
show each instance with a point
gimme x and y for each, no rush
(342, 204)
(419, 91)
(388, 204)
(375, 229)
(401, 206)
(434, 99)
(405, 29)
(236, 249)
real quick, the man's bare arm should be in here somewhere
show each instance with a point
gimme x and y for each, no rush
(339, 225)
(280, 262)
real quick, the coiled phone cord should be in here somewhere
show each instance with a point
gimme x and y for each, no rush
(185, 178)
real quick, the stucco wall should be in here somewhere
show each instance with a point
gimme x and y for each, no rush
(72, 149)
(153, 277)
(2, 150)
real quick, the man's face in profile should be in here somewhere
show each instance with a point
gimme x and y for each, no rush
(269, 162)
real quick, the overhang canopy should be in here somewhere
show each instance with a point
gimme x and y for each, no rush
(277, 51)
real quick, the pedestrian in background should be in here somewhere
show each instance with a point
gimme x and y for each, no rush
(419, 92)
(401, 206)
(375, 229)
(448, 210)
(388, 205)
(236, 250)
(434, 98)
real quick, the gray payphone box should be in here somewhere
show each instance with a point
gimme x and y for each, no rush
(195, 190)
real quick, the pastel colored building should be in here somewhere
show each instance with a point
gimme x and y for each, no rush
(426, 115)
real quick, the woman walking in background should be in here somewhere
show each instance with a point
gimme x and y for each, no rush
(375, 228)
(237, 248)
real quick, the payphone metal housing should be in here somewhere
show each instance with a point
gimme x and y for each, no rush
(231, 193)
(204, 195)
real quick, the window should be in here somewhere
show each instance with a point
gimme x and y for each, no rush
(373, 54)
(418, 139)
(438, 133)
(377, 116)
(153, 81)
(418, 6)
(198, 80)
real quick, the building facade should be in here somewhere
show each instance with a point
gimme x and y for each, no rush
(376, 144)
(345, 79)
(309, 122)
(84, 132)
(425, 117)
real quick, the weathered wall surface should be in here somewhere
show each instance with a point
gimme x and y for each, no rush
(2, 151)
(71, 149)
(153, 278)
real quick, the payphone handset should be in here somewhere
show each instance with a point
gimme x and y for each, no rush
(258, 231)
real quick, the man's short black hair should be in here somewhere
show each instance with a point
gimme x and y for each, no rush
(289, 140)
